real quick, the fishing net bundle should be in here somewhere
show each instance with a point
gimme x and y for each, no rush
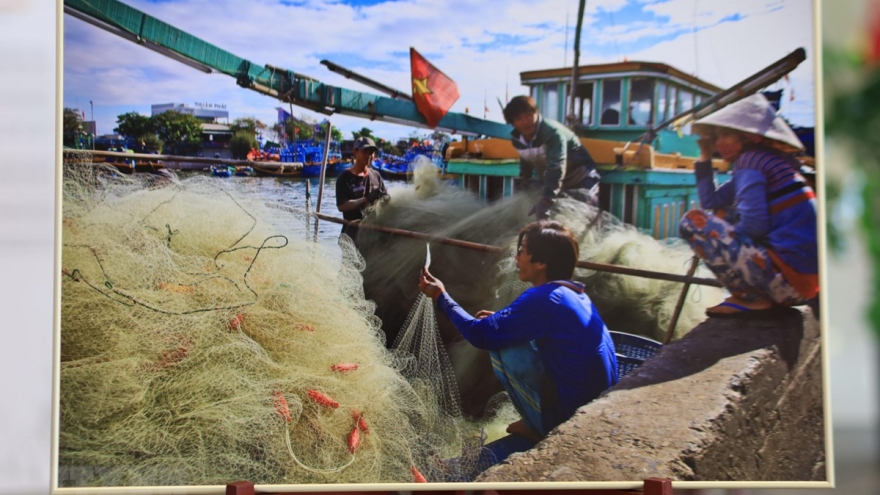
(488, 280)
(631, 304)
(200, 345)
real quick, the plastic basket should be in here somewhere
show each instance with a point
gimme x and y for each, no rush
(632, 351)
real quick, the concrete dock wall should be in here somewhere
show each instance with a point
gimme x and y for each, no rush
(733, 400)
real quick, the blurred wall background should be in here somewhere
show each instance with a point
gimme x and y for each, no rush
(27, 175)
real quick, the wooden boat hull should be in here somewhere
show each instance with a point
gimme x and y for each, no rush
(283, 172)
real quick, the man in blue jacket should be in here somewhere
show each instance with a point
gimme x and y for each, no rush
(550, 348)
(554, 153)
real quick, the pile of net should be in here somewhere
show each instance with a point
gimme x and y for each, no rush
(201, 344)
(486, 280)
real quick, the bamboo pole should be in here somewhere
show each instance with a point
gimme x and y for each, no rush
(680, 304)
(602, 267)
(323, 175)
(308, 205)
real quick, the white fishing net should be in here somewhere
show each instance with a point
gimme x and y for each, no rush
(200, 344)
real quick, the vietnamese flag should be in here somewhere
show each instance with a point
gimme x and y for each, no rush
(433, 92)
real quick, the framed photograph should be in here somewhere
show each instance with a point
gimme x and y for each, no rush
(404, 245)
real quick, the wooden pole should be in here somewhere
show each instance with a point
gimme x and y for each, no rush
(308, 205)
(681, 298)
(323, 175)
(602, 267)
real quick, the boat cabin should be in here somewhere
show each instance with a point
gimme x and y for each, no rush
(621, 101)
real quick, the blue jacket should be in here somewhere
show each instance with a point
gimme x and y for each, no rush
(572, 341)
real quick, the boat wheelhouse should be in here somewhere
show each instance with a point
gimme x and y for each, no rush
(621, 101)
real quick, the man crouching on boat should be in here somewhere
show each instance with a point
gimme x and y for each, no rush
(550, 348)
(360, 186)
(554, 152)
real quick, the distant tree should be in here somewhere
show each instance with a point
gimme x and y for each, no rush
(277, 132)
(152, 143)
(250, 125)
(134, 125)
(415, 137)
(241, 143)
(179, 131)
(440, 137)
(72, 120)
(364, 132)
(335, 133)
(72, 128)
(302, 129)
(387, 147)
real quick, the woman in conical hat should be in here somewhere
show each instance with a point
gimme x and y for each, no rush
(758, 231)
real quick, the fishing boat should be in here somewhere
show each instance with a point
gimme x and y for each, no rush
(286, 170)
(244, 171)
(222, 171)
(401, 168)
(310, 155)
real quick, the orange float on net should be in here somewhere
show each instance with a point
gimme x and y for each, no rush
(281, 405)
(360, 421)
(344, 367)
(323, 399)
(417, 476)
(236, 321)
(354, 439)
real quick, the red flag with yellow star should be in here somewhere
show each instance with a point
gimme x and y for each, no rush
(433, 92)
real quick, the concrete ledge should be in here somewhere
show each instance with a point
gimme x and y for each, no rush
(731, 401)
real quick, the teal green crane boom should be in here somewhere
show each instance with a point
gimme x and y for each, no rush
(283, 84)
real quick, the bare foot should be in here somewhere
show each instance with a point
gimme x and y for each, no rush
(519, 428)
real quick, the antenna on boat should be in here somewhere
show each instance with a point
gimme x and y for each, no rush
(570, 118)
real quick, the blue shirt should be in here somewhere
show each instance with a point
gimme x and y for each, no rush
(572, 340)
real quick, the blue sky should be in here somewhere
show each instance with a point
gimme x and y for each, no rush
(481, 45)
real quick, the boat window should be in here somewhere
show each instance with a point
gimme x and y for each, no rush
(687, 102)
(583, 103)
(550, 105)
(533, 92)
(661, 101)
(670, 101)
(640, 98)
(610, 102)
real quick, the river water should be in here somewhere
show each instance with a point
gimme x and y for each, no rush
(296, 193)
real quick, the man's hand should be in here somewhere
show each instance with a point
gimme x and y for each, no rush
(483, 313)
(429, 285)
(373, 195)
(541, 209)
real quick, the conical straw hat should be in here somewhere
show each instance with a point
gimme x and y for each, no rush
(755, 115)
